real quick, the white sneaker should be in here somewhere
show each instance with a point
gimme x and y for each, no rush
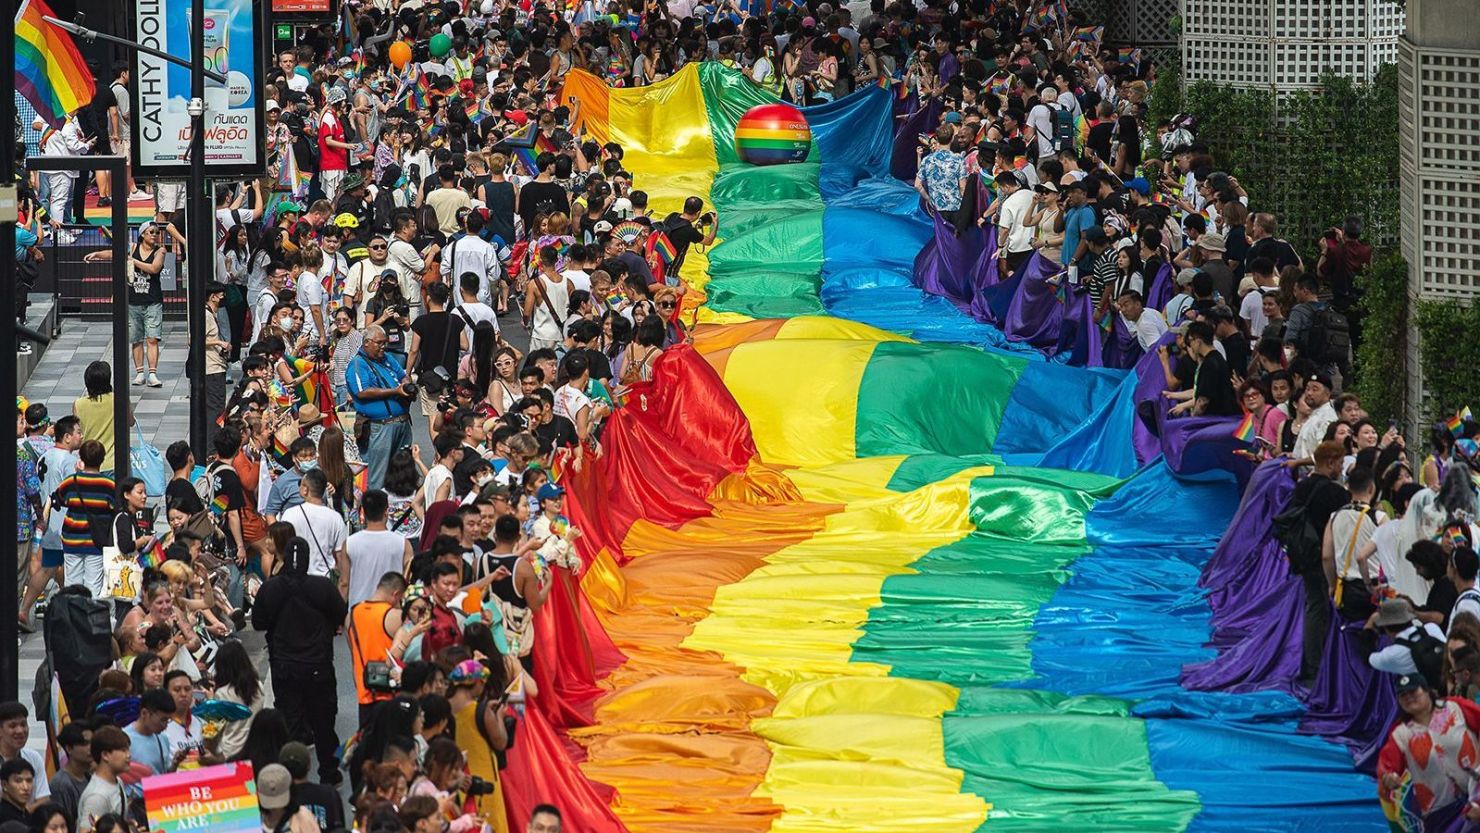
(64, 237)
(25, 348)
(139, 378)
(154, 380)
(140, 195)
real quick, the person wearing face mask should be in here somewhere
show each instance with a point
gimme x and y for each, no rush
(285, 493)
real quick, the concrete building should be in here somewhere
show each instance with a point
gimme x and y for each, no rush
(1286, 45)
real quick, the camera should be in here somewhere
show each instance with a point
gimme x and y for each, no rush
(477, 786)
(410, 388)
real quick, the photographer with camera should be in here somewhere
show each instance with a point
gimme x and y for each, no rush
(438, 340)
(382, 396)
(694, 225)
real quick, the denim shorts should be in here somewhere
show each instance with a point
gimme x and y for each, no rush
(145, 321)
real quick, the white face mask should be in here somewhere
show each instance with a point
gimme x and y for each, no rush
(286, 322)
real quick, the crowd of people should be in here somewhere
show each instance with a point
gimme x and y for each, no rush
(417, 207)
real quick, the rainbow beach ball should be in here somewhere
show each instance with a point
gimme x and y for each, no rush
(773, 134)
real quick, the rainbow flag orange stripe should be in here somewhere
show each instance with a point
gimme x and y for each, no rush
(49, 71)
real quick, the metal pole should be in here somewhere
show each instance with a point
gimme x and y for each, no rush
(199, 210)
(10, 591)
(89, 35)
(121, 395)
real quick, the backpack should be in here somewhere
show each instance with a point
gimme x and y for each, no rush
(1427, 651)
(1299, 538)
(1065, 136)
(1330, 339)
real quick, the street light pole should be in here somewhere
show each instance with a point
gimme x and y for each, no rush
(199, 213)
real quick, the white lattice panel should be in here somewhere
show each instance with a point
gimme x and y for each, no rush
(1287, 44)
(1448, 98)
(1449, 255)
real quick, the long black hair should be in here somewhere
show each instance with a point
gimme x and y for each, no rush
(234, 668)
(265, 739)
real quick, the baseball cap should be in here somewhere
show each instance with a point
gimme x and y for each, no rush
(550, 491)
(294, 758)
(602, 227)
(274, 786)
(1184, 277)
(1095, 233)
(1325, 379)
(1139, 185)
(1046, 188)
(272, 104)
(953, 117)
(1411, 682)
(809, 22)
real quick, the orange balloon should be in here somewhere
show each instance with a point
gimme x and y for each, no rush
(400, 53)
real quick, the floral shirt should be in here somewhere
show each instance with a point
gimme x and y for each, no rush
(27, 491)
(941, 172)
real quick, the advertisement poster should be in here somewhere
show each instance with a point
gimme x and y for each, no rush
(234, 30)
(221, 799)
(300, 7)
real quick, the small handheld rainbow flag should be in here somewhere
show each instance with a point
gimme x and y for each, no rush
(151, 558)
(1456, 423)
(1456, 535)
(474, 110)
(1245, 431)
(1129, 55)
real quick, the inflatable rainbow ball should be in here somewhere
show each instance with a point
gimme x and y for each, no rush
(772, 134)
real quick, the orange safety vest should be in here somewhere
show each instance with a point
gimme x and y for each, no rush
(368, 642)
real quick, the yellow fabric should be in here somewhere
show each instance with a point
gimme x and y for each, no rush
(800, 415)
(482, 764)
(816, 326)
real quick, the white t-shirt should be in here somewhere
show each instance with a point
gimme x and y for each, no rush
(1149, 328)
(476, 312)
(1251, 309)
(323, 529)
(578, 278)
(1343, 524)
(569, 401)
(436, 476)
(311, 295)
(1014, 211)
(372, 554)
(180, 737)
(1040, 118)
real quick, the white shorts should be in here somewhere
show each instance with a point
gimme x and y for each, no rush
(169, 197)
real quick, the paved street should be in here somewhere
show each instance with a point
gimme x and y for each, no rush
(163, 416)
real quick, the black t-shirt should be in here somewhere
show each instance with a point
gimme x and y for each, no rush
(541, 198)
(683, 234)
(1214, 383)
(321, 800)
(1282, 253)
(103, 100)
(1442, 597)
(144, 288)
(499, 197)
(438, 332)
(1321, 496)
(557, 433)
(181, 494)
(1236, 347)
(1099, 139)
(601, 366)
(395, 336)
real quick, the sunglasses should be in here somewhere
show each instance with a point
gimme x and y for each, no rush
(382, 246)
(667, 305)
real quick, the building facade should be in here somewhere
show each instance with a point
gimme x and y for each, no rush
(1286, 45)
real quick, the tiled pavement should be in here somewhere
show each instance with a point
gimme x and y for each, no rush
(162, 414)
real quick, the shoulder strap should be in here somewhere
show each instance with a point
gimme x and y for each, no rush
(539, 283)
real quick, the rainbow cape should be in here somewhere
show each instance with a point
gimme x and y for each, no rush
(49, 71)
(855, 563)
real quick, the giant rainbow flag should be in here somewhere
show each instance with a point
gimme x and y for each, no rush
(854, 563)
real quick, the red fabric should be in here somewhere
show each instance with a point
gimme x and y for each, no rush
(332, 158)
(565, 655)
(540, 771)
(432, 521)
(664, 451)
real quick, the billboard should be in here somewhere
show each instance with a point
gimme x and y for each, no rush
(318, 7)
(234, 32)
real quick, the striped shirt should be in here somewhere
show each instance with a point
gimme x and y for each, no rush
(83, 494)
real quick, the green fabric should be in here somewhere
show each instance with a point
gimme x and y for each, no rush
(910, 400)
(772, 270)
(728, 94)
(1044, 770)
(919, 470)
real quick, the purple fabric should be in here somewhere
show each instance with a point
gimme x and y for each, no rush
(1122, 349)
(1035, 313)
(943, 267)
(1268, 655)
(1194, 445)
(983, 278)
(1161, 289)
(1079, 337)
(903, 162)
(1243, 544)
(1151, 408)
(1351, 702)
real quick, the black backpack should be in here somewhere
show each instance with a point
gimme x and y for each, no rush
(1299, 538)
(1065, 136)
(1329, 340)
(1428, 655)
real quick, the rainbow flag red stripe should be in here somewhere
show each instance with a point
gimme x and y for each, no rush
(49, 71)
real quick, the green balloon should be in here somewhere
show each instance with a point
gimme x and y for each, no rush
(441, 45)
